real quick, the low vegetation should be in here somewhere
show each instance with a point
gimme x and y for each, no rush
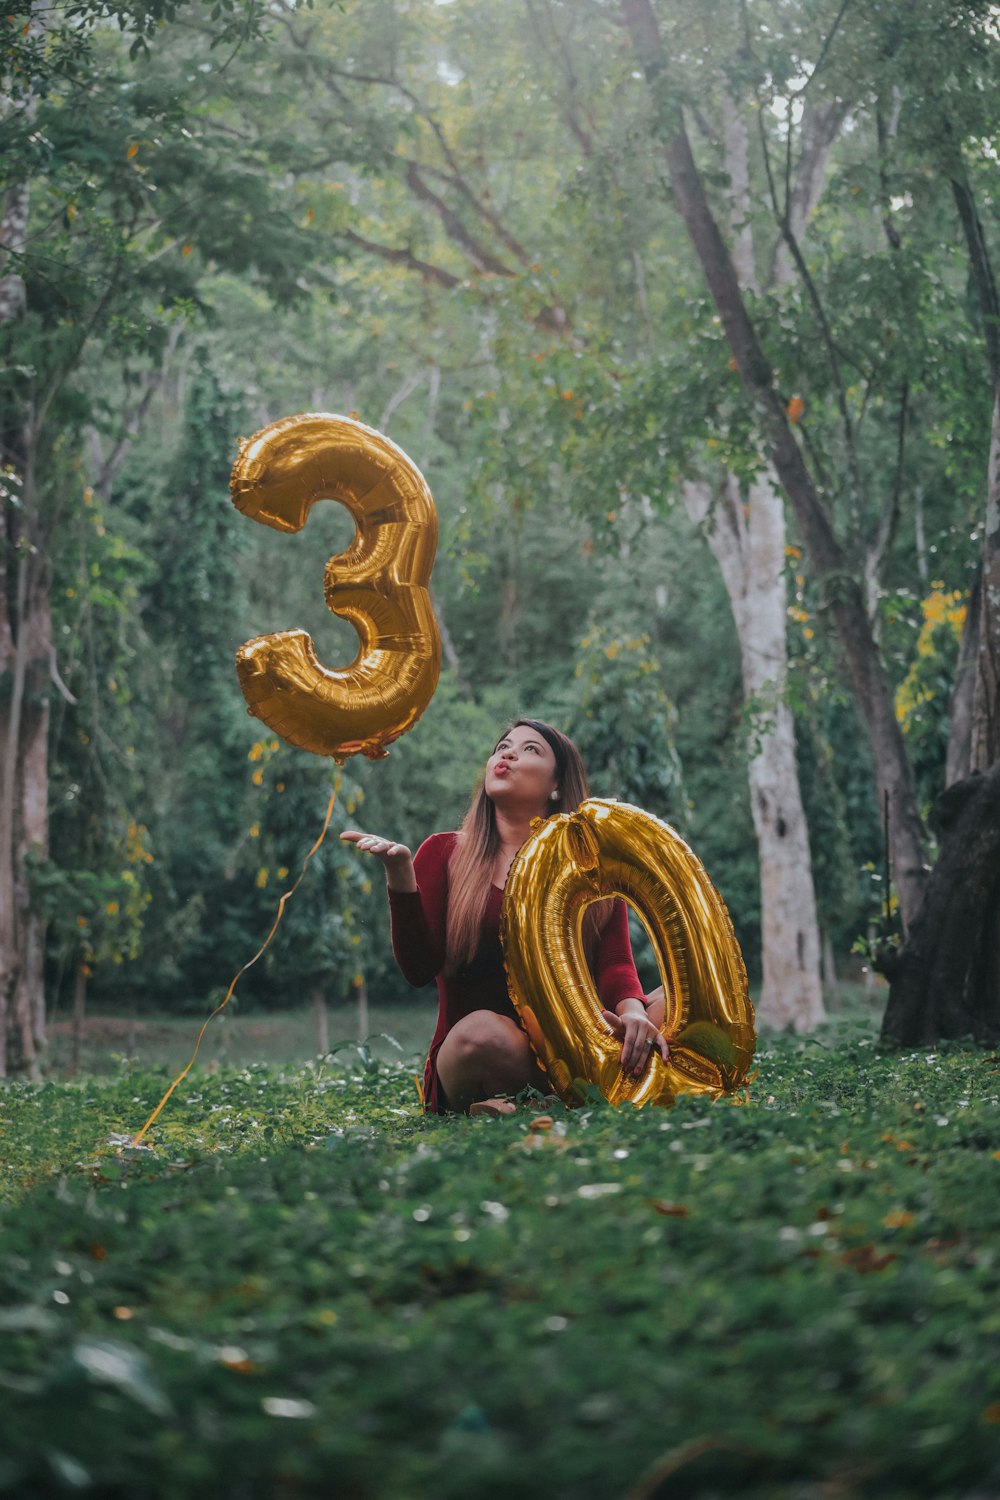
(307, 1288)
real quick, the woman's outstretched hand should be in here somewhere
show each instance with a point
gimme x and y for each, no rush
(395, 858)
(639, 1039)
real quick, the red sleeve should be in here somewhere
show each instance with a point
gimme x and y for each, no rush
(418, 919)
(617, 979)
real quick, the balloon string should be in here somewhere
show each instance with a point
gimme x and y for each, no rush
(250, 963)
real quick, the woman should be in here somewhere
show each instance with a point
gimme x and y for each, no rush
(445, 915)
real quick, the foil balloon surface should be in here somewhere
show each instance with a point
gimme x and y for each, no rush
(380, 584)
(609, 849)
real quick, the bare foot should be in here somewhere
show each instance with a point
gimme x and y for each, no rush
(492, 1107)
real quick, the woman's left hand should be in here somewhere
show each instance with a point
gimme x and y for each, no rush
(639, 1039)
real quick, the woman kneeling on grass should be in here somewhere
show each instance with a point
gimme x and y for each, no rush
(445, 905)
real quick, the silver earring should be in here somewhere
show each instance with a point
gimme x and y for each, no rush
(554, 797)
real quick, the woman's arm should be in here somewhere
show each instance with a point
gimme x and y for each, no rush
(418, 916)
(418, 899)
(621, 994)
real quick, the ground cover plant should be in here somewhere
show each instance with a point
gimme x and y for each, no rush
(309, 1288)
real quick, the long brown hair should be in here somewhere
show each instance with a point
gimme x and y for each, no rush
(470, 870)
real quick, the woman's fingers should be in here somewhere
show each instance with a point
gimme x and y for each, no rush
(615, 1022)
(639, 1041)
(636, 1056)
(372, 843)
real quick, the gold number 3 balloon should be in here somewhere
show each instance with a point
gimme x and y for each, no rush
(611, 849)
(380, 584)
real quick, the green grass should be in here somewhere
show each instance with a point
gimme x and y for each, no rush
(310, 1289)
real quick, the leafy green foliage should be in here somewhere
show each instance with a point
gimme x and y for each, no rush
(307, 1284)
(319, 942)
(623, 722)
(317, 225)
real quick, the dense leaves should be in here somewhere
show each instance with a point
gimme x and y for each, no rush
(452, 221)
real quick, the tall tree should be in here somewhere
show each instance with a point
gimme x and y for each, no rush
(102, 169)
(449, 168)
(969, 1006)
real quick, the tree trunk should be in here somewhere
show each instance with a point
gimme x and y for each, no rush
(870, 972)
(33, 832)
(844, 595)
(986, 699)
(25, 664)
(749, 549)
(322, 1019)
(945, 981)
(9, 711)
(79, 1013)
(829, 970)
(748, 543)
(14, 236)
(361, 994)
(958, 761)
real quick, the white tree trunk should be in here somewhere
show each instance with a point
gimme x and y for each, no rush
(748, 543)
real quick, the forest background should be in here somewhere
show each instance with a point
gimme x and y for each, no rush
(474, 225)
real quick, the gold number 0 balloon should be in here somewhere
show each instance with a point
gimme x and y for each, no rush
(611, 849)
(380, 584)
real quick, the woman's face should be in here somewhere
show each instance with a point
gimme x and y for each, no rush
(521, 772)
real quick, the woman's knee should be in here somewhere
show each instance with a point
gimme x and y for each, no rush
(485, 1035)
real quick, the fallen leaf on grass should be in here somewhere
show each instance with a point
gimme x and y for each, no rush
(895, 1141)
(898, 1219)
(866, 1260)
(669, 1210)
(992, 1412)
(548, 1140)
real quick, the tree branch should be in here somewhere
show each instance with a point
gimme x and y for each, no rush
(401, 258)
(845, 597)
(982, 270)
(582, 136)
(453, 226)
(791, 240)
(889, 519)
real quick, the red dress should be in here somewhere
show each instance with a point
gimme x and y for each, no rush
(419, 919)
